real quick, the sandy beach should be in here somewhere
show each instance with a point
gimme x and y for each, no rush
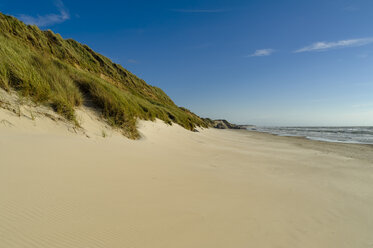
(176, 188)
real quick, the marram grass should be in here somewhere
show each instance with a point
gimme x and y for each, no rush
(64, 74)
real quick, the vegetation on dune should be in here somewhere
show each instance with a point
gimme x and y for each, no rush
(64, 73)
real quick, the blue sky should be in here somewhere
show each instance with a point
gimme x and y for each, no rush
(261, 62)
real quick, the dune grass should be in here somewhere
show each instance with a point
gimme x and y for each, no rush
(64, 74)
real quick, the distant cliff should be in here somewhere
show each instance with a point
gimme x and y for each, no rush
(224, 124)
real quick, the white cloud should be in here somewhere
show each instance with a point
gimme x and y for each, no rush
(50, 19)
(323, 46)
(132, 61)
(363, 55)
(363, 105)
(351, 8)
(262, 52)
(199, 10)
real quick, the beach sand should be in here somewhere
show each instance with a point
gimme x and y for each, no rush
(176, 188)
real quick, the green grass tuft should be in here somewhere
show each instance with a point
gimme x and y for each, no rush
(64, 74)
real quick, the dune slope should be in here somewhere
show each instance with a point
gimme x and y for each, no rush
(65, 74)
(216, 188)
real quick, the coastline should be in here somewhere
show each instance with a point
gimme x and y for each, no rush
(176, 188)
(352, 150)
(333, 134)
(93, 155)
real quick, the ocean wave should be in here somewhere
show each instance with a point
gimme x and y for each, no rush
(362, 135)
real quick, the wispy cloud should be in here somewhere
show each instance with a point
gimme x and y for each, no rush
(199, 10)
(262, 52)
(50, 19)
(323, 46)
(362, 55)
(363, 105)
(200, 46)
(132, 61)
(351, 8)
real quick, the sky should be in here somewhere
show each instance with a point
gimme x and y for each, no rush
(263, 62)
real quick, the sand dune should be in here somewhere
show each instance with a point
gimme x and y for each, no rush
(176, 188)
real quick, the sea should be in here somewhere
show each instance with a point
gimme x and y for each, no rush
(357, 135)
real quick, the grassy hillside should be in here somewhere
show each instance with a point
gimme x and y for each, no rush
(64, 74)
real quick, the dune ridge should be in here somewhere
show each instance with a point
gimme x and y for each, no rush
(65, 74)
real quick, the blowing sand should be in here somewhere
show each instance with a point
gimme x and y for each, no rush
(176, 188)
